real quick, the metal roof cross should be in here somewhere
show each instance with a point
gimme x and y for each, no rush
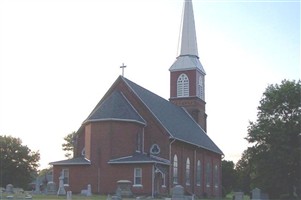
(122, 67)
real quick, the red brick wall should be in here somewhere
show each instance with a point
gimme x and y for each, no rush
(183, 151)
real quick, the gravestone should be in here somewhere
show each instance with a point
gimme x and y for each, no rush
(61, 190)
(117, 196)
(69, 195)
(37, 187)
(9, 189)
(256, 194)
(51, 188)
(238, 195)
(178, 193)
(125, 188)
(89, 192)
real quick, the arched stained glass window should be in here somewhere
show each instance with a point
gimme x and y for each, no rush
(187, 174)
(198, 173)
(183, 86)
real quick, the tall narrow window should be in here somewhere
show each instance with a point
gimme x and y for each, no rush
(201, 87)
(175, 169)
(208, 174)
(183, 86)
(215, 176)
(139, 142)
(187, 174)
(137, 176)
(66, 176)
(198, 173)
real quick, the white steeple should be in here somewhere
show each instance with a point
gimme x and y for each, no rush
(189, 57)
(188, 33)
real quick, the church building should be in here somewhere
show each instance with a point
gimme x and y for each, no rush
(135, 135)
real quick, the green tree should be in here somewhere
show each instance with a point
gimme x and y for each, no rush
(18, 163)
(68, 146)
(229, 176)
(275, 156)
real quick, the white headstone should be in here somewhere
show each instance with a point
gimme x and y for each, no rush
(37, 187)
(89, 192)
(9, 188)
(238, 195)
(69, 195)
(256, 194)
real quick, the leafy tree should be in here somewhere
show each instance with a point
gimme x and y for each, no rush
(229, 176)
(274, 158)
(68, 146)
(18, 163)
(243, 168)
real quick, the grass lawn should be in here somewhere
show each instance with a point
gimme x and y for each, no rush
(100, 197)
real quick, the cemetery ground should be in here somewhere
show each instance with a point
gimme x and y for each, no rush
(103, 197)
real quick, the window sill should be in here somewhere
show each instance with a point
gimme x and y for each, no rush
(138, 186)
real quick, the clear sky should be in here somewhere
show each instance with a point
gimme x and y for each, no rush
(59, 57)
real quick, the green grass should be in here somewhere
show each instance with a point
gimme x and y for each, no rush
(55, 197)
(100, 197)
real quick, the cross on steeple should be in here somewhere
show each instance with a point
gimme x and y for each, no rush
(122, 67)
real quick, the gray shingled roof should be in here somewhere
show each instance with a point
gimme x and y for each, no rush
(115, 107)
(174, 119)
(138, 157)
(73, 161)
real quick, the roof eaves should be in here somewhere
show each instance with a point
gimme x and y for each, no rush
(67, 162)
(113, 119)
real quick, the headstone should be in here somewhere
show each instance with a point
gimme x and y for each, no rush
(9, 188)
(178, 193)
(256, 194)
(117, 196)
(51, 188)
(61, 190)
(83, 192)
(89, 192)
(238, 195)
(125, 188)
(37, 187)
(69, 195)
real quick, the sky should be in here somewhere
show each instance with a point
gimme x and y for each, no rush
(59, 57)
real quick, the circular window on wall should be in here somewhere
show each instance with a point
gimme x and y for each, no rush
(155, 149)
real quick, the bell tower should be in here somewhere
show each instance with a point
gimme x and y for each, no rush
(187, 75)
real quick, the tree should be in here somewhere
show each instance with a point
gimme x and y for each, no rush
(18, 163)
(68, 146)
(274, 158)
(229, 176)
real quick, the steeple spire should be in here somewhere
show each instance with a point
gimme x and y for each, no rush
(187, 75)
(188, 33)
(189, 57)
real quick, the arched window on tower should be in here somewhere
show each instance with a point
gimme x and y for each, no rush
(175, 169)
(183, 86)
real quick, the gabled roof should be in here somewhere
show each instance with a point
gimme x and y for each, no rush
(138, 157)
(177, 122)
(73, 161)
(115, 107)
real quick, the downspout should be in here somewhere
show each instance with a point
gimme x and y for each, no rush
(194, 173)
(170, 168)
(153, 180)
